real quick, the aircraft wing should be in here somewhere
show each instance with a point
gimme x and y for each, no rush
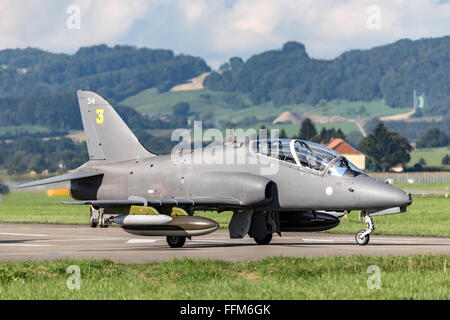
(175, 202)
(61, 178)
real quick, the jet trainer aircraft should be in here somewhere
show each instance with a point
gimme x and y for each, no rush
(149, 194)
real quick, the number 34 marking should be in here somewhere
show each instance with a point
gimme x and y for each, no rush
(100, 117)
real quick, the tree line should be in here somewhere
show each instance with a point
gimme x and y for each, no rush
(115, 72)
(27, 154)
(61, 113)
(389, 72)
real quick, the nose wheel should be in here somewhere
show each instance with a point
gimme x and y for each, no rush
(362, 239)
(363, 236)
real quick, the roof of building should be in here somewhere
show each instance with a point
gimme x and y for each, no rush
(342, 147)
(398, 166)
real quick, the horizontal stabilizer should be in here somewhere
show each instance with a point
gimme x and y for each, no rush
(61, 178)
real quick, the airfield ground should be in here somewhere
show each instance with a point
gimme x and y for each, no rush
(296, 266)
(415, 277)
(38, 242)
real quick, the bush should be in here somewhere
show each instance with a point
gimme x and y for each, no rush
(4, 189)
(446, 160)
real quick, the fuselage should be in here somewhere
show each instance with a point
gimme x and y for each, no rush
(297, 187)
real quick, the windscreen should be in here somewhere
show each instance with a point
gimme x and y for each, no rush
(313, 155)
(306, 154)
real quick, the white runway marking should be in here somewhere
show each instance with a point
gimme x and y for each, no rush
(72, 240)
(319, 240)
(23, 234)
(141, 241)
(24, 245)
(209, 240)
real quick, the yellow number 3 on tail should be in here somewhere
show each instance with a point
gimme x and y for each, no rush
(100, 115)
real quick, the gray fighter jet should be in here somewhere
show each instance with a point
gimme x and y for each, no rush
(282, 185)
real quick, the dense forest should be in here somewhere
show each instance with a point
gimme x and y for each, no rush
(116, 72)
(390, 72)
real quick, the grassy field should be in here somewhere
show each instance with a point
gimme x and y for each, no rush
(432, 156)
(428, 216)
(293, 129)
(416, 277)
(37, 207)
(423, 186)
(290, 129)
(25, 128)
(204, 101)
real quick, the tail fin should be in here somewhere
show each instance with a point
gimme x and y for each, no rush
(107, 135)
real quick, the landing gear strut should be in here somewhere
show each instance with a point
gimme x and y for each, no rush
(363, 236)
(94, 217)
(97, 218)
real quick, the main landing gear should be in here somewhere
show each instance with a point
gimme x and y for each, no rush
(97, 217)
(264, 240)
(363, 236)
(176, 241)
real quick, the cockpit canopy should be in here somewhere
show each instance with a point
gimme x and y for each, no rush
(309, 155)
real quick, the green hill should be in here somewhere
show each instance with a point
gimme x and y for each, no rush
(390, 72)
(38, 88)
(237, 106)
(432, 156)
(115, 72)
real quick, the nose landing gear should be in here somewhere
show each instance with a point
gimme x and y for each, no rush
(363, 236)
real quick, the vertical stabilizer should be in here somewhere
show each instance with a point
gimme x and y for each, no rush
(107, 135)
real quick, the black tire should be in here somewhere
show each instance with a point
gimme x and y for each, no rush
(265, 240)
(363, 241)
(93, 224)
(176, 241)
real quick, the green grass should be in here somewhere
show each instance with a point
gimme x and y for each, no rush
(150, 101)
(293, 129)
(427, 216)
(423, 186)
(432, 156)
(417, 277)
(290, 129)
(37, 207)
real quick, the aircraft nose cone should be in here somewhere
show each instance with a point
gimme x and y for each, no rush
(384, 195)
(396, 197)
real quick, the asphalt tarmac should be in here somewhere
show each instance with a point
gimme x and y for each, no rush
(37, 242)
